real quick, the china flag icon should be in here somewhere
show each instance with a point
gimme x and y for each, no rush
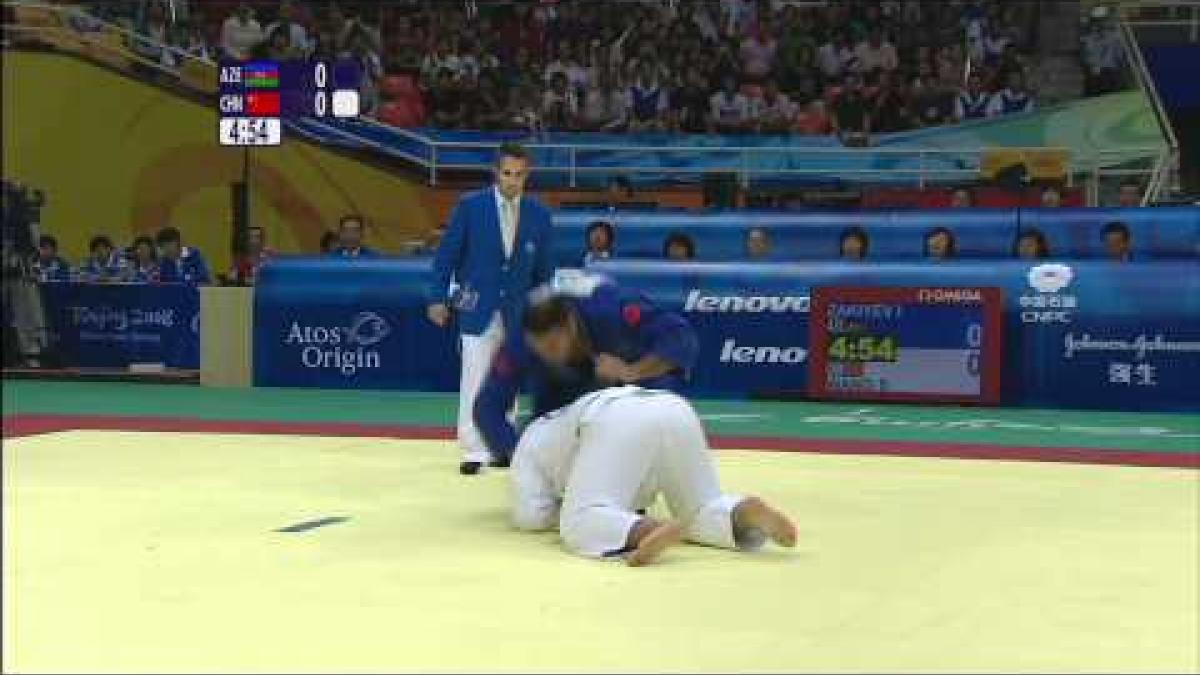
(263, 103)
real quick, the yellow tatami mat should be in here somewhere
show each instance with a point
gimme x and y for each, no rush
(156, 552)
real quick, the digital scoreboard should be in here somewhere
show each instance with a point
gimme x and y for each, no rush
(256, 97)
(906, 344)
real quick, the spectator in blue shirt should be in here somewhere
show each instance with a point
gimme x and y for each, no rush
(350, 239)
(143, 262)
(178, 263)
(576, 340)
(48, 265)
(103, 263)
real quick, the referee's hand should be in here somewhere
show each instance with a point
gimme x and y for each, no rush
(439, 314)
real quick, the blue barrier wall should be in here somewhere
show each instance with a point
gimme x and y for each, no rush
(114, 325)
(1123, 306)
(1075, 233)
(340, 323)
(1117, 336)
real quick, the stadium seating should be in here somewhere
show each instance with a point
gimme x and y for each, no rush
(983, 234)
(1158, 233)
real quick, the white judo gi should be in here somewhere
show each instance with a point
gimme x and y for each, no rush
(589, 466)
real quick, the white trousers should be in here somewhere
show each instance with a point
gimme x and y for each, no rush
(632, 448)
(477, 354)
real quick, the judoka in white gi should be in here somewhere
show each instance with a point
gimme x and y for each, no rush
(589, 467)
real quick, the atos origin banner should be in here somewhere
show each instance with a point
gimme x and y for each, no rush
(1079, 334)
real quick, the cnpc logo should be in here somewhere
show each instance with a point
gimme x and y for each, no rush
(1050, 304)
(347, 349)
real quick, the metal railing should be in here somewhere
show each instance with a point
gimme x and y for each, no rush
(926, 170)
(1167, 164)
(743, 167)
(1132, 13)
(1086, 169)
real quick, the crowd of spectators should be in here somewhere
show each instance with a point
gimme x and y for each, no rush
(729, 66)
(170, 32)
(1102, 54)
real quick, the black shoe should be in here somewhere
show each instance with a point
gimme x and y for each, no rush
(470, 468)
(499, 463)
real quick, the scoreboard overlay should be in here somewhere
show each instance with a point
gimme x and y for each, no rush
(256, 97)
(911, 344)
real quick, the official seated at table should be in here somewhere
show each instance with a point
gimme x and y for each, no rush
(47, 264)
(178, 263)
(143, 262)
(329, 241)
(104, 263)
(254, 255)
(350, 239)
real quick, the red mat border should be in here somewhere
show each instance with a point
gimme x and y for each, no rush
(16, 426)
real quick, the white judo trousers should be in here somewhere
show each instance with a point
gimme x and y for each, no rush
(589, 466)
(477, 351)
(477, 354)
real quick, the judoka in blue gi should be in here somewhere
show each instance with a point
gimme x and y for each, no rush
(581, 333)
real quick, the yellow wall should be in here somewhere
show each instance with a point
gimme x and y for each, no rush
(120, 157)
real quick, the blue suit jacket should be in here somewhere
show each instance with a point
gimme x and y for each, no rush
(363, 252)
(472, 252)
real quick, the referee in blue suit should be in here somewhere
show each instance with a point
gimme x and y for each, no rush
(495, 250)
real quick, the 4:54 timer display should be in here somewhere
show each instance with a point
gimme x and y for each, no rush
(863, 348)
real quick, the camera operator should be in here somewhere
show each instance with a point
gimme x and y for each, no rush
(26, 338)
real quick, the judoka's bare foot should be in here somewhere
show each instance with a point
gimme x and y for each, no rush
(651, 538)
(753, 512)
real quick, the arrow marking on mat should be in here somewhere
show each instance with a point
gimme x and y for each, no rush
(307, 525)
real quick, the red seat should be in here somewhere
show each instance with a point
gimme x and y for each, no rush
(398, 86)
(416, 111)
(400, 114)
(390, 112)
(413, 96)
